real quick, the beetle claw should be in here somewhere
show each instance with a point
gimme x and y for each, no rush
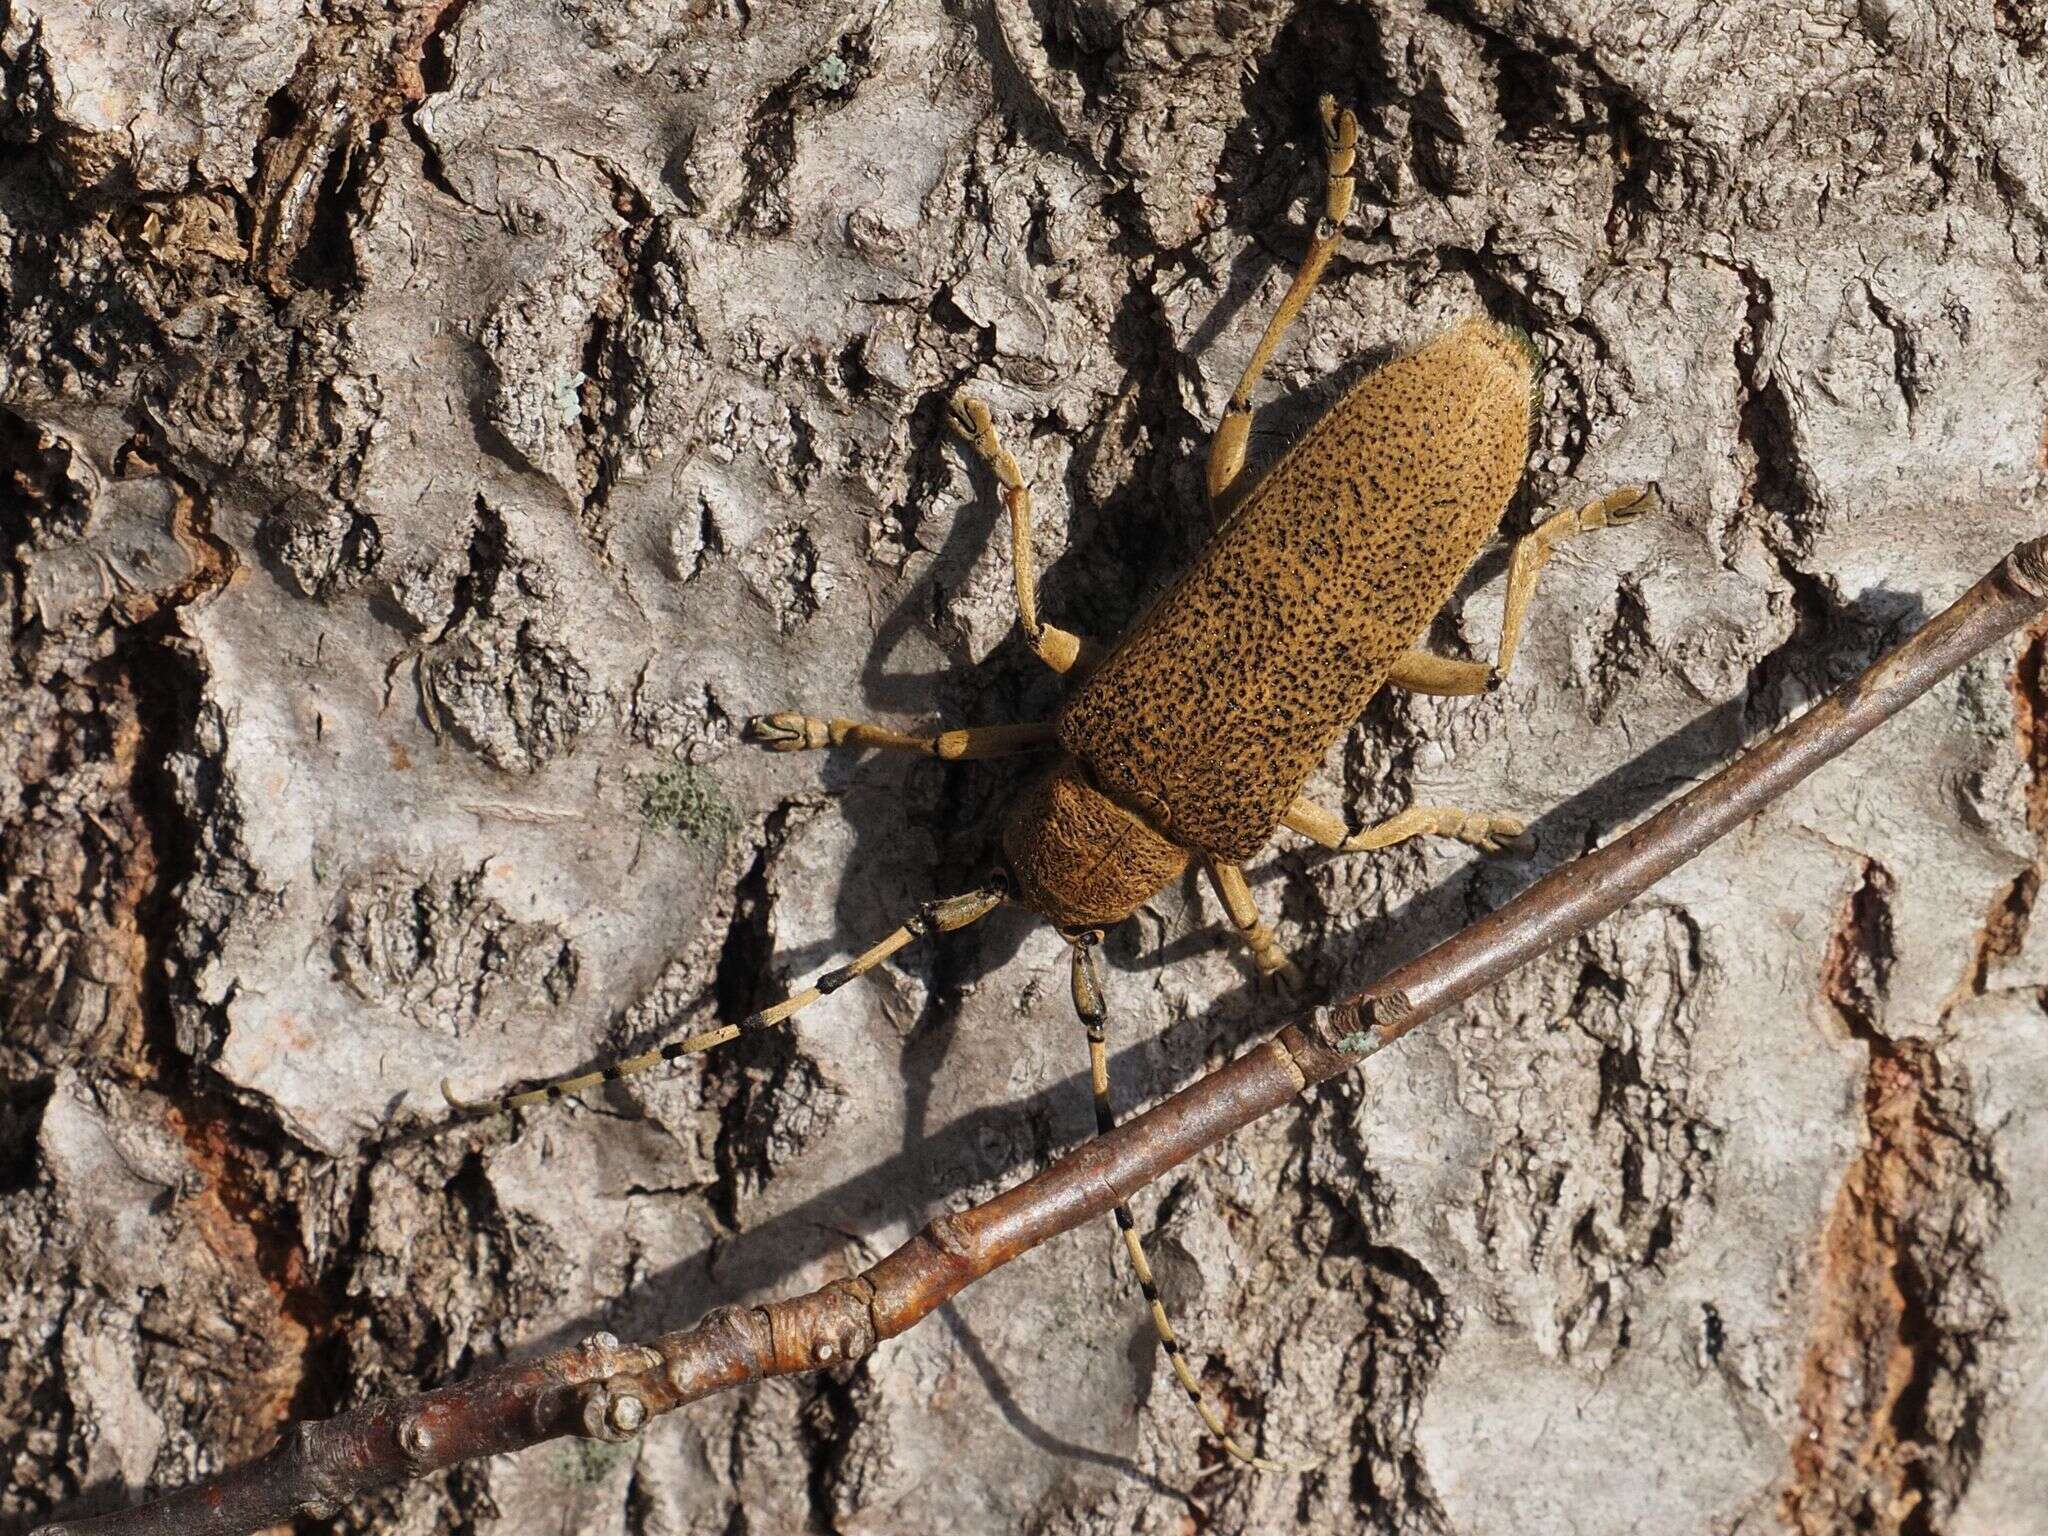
(785, 731)
(967, 416)
(1284, 980)
(1520, 840)
(1631, 503)
(1498, 834)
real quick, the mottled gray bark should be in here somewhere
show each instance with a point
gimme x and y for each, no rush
(427, 434)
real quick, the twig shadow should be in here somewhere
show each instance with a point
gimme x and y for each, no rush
(1014, 1415)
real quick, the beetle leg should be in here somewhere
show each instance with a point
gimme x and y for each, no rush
(1426, 672)
(1057, 648)
(1088, 1003)
(933, 917)
(1267, 955)
(1479, 828)
(1233, 433)
(1533, 552)
(787, 731)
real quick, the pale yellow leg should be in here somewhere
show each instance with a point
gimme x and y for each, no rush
(1059, 649)
(791, 732)
(1088, 1003)
(1479, 828)
(933, 917)
(1267, 955)
(1533, 552)
(1426, 672)
(1233, 433)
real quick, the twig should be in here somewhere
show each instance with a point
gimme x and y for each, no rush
(603, 1391)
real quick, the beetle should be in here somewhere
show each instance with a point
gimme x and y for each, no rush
(1192, 737)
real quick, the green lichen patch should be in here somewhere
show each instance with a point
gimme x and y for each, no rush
(832, 73)
(682, 798)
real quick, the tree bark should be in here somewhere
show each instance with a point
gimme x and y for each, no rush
(602, 1392)
(427, 433)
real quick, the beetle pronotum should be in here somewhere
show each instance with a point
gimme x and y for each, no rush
(1191, 737)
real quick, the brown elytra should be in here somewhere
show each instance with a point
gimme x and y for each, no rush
(1203, 724)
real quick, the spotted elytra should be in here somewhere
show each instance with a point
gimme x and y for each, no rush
(1190, 739)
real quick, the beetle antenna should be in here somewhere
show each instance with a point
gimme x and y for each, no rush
(933, 917)
(1093, 1012)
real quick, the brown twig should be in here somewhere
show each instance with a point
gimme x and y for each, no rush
(600, 1390)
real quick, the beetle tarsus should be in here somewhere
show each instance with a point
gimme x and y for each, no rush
(786, 731)
(460, 1105)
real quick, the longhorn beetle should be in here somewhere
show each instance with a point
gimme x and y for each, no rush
(1192, 736)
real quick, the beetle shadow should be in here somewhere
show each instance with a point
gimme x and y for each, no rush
(998, 1143)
